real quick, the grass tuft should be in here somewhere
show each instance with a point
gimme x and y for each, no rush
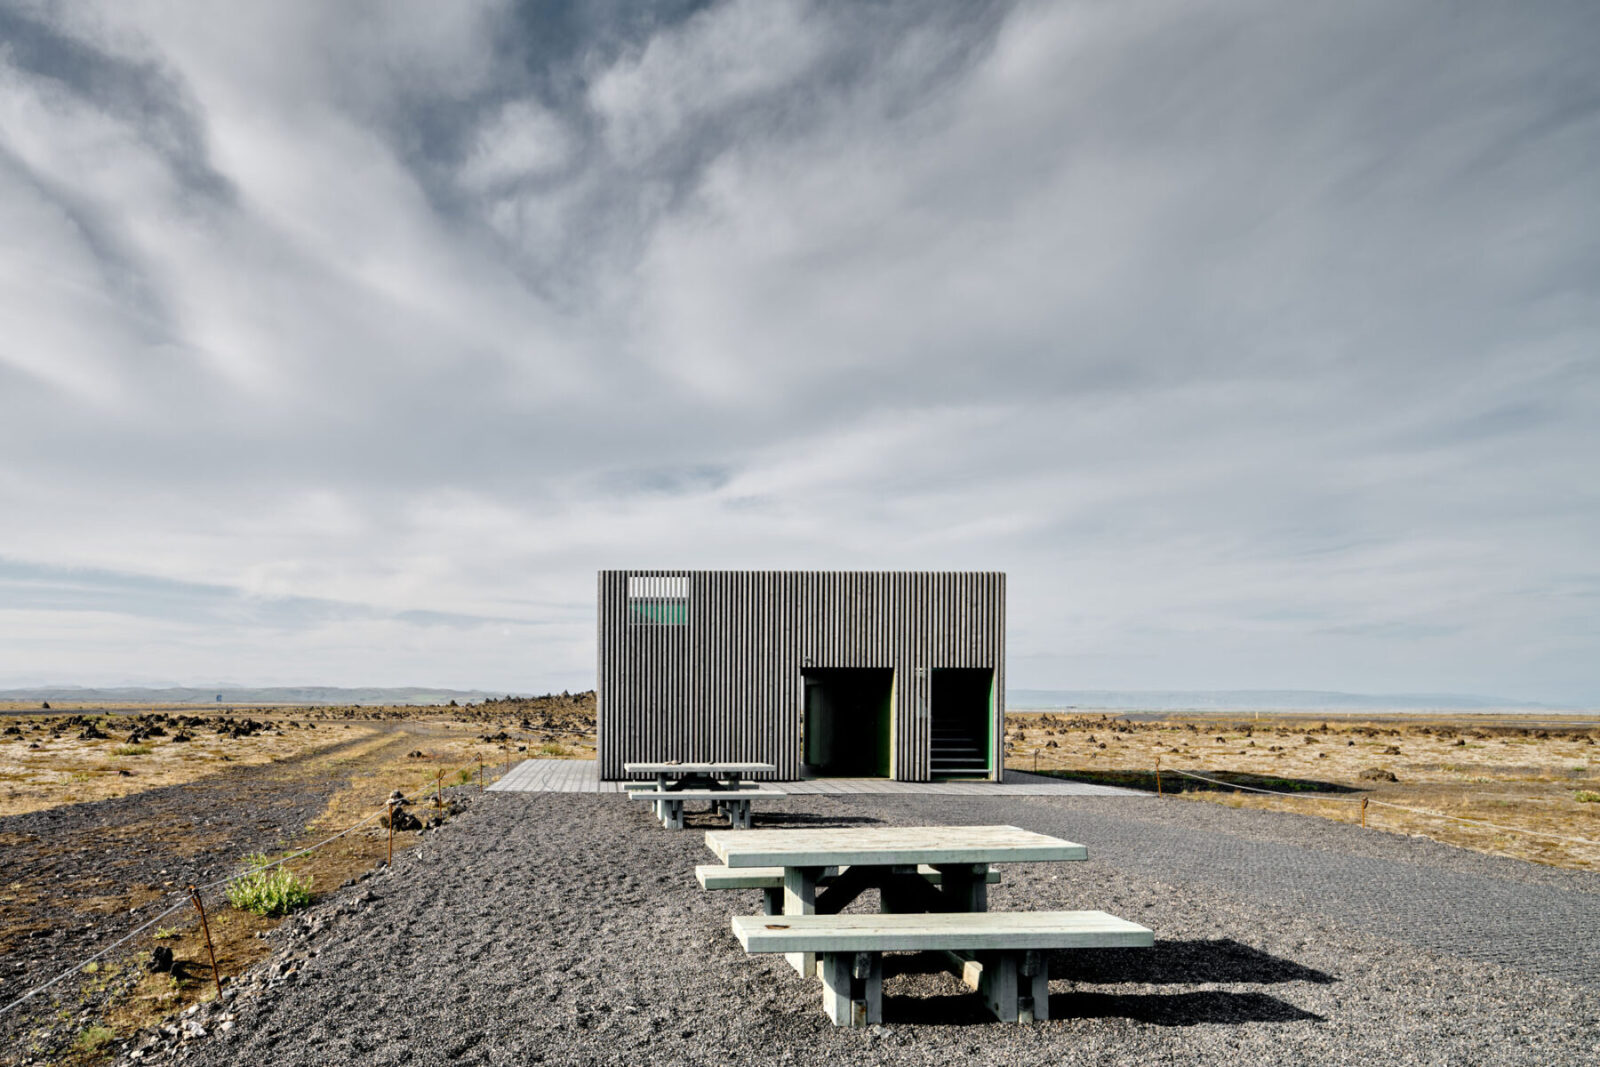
(1586, 797)
(93, 1038)
(268, 890)
(132, 750)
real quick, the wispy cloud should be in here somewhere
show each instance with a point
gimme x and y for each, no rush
(345, 343)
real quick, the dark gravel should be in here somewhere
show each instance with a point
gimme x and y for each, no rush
(68, 873)
(567, 928)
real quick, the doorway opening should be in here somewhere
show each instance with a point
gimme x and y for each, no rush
(847, 727)
(962, 709)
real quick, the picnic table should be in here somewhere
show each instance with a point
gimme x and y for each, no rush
(886, 858)
(675, 775)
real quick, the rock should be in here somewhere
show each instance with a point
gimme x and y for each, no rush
(1377, 774)
(160, 960)
(1392, 750)
(91, 733)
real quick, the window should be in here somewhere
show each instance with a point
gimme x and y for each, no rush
(658, 601)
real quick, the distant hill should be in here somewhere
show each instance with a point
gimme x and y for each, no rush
(1259, 699)
(310, 694)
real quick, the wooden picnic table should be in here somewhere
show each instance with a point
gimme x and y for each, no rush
(885, 858)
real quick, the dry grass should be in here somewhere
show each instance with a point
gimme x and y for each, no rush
(66, 770)
(1526, 779)
(375, 751)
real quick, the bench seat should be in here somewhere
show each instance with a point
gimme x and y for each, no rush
(735, 803)
(1009, 946)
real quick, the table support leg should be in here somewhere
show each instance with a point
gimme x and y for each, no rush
(1016, 986)
(964, 886)
(672, 816)
(852, 987)
(800, 898)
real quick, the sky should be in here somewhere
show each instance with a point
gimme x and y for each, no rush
(1258, 343)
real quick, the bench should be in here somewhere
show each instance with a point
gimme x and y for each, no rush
(1010, 946)
(735, 803)
(770, 881)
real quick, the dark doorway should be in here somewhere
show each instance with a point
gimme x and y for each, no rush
(847, 721)
(963, 703)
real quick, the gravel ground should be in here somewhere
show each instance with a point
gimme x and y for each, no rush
(567, 928)
(68, 872)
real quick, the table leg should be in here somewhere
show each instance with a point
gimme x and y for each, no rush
(964, 886)
(852, 987)
(800, 898)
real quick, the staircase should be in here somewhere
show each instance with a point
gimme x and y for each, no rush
(957, 754)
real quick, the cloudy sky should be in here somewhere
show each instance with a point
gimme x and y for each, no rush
(1258, 343)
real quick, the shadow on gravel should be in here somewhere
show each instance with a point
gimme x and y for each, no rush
(1174, 782)
(800, 818)
(1157, 1009)
(1183, 962)
(1179, 1009)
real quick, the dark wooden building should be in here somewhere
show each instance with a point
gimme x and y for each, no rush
(820, 673)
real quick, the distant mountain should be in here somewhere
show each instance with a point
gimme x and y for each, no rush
(1259, 699)
(310, 694)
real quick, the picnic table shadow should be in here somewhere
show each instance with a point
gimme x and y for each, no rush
(1167, 963)
(771, 820)
(1175, 781)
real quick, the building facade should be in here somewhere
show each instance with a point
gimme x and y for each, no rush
(819, 673)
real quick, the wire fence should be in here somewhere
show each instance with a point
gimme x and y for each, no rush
(1364, 801)
(190, 894)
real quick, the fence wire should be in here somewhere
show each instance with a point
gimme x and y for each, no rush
(437, 784)
(1397, 807)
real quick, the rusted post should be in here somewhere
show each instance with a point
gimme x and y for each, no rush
(391, 832)
(1158, 776)
(480, 774)
(438, 785)
(1363, 813)
(1035, 761)
(216, 976)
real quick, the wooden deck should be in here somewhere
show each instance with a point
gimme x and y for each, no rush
(583, 776)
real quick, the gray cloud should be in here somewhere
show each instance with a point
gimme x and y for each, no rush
(1258, 345)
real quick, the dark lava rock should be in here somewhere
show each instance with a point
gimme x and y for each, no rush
(91, 733)
(160, 960)
(1377, 774)
(1392, 750)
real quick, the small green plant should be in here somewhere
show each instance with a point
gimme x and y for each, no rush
(132, 750)
(463, 776)
(552, 749)
(165, 933)
(93, 1038)
(1587, 797)
(268, 890)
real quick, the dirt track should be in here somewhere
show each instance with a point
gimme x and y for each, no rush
(73, 871)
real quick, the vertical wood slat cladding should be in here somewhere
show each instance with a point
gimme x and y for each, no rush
(725, 682)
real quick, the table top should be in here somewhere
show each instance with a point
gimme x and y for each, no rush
(697, 768)
(888, 845)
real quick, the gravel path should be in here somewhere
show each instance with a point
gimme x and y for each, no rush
(564, 928)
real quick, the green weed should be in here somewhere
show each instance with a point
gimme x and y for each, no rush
(1586, 797)
(93, 1038)
(131, 750)
(267, 890)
